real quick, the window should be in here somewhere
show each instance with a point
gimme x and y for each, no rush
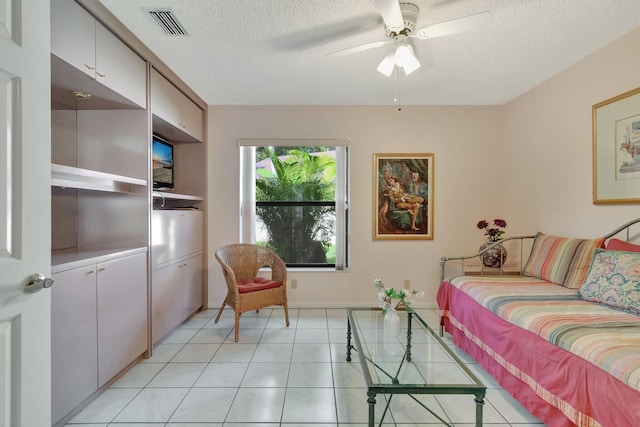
(295, 200)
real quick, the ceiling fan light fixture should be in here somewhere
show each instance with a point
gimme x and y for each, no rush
(387, 64)
(409, 61)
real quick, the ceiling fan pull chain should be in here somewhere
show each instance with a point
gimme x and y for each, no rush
(395, 88)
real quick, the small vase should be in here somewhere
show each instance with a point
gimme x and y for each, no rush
(391, 324)
(494, 257)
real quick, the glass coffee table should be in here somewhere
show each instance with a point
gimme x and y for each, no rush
(413, 363)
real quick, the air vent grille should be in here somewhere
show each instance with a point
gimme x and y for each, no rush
(168, 22)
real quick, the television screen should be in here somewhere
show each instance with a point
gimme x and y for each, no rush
(162, 154)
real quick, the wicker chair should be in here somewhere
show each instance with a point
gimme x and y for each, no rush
(245, 289)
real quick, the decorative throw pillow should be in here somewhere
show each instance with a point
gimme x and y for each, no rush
(580, 263)
(620, 245)
(551, 257)
(613, 279)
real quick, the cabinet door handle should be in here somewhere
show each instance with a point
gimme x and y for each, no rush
(89, 67)
(101, 269)
(90, 272)
(101, 75)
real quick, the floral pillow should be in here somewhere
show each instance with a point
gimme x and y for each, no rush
(613, 279)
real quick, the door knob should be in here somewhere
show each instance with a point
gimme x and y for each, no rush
(36, 282)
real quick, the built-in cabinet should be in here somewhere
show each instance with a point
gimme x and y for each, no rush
(106, 302)
(79, 41)
(175, 115)
(178, 268)
(98, 327)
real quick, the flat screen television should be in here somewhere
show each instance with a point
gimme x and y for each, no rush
(162, 155)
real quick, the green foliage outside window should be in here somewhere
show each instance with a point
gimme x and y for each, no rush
(299, 234)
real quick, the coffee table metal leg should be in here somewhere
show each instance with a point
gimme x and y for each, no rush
(479, 403)
(409, 336)
(348, 340)
(371, 400)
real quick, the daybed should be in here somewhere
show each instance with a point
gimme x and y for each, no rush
(563, 337)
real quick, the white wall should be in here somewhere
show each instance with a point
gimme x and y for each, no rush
(528, 162)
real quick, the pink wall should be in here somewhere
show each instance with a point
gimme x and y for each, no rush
(528, 162)
(547, 145)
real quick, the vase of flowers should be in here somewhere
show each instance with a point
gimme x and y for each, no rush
(391, 299)
(496, 255)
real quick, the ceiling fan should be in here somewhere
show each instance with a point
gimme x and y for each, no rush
(400, 27)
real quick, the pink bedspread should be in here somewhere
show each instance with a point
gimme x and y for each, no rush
(556, 385)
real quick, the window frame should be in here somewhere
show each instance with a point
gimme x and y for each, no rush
(248, 194)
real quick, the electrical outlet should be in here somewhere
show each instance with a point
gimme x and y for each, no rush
(407, 284)
(294, 283)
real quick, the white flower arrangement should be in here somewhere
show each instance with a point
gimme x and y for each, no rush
(386, 297)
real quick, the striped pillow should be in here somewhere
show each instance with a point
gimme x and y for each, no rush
(551, 257)
(581, 261)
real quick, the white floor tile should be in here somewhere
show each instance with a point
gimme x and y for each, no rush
(312, 323)
(266, 375)
(273, 353)
(309, 405)
(204, 405)
(180, 336)
(195, 323)
(291, 377)
(247, 335)
(311, 353)
(106, 406)
(152, 405)
(310, 374)
(278, 336)
(311, 336)
(234, 353)
(222, 375)
(352, 405)
(461, 409)
(196, 353)
(178, 375)
(138, 376)
(163, 353)
(210, 336)
(312, 313)
(348, 375)
(406, 410)
(246, 409)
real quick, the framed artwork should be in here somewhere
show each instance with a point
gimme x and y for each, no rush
(403, 196)
(616, 149)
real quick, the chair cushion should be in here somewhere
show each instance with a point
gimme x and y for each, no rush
(257, 284)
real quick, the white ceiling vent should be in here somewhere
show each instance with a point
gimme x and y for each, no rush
(167, 21)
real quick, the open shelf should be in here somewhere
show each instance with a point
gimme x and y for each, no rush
(175, 196)
(72, 177)
(67, 259)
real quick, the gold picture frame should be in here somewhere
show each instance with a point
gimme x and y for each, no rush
(403, 196)
(616, 149)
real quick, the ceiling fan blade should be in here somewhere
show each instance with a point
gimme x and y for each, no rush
(459, 25)
(359, 48)
(391, 14)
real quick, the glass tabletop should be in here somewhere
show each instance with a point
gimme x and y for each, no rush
(416, 361)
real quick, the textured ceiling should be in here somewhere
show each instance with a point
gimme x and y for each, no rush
(274, 52)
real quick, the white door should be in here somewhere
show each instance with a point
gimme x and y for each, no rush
(25, 211)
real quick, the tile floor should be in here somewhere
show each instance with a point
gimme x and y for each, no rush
(274, 376)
